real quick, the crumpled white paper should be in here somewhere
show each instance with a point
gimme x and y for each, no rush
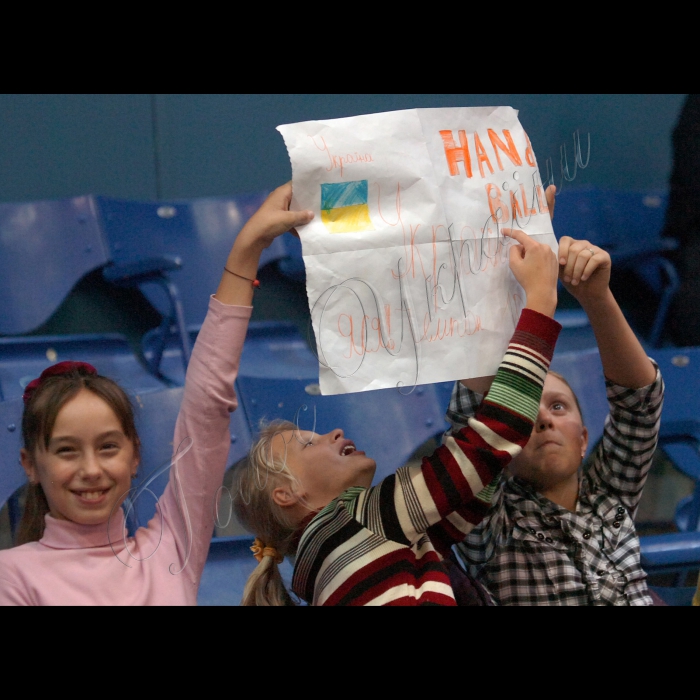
(407, 271)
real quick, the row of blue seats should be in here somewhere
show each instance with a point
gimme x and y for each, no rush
(629, 226)
(47, 247)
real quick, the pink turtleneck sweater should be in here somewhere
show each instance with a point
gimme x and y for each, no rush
(87, 565)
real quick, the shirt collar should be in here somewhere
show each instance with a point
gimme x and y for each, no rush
(523, 497)
(65, 534)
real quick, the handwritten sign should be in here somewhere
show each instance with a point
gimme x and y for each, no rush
(407, 269)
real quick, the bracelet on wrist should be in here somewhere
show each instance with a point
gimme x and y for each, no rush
(255, 283)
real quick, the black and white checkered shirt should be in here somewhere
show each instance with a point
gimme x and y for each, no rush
(530, 551)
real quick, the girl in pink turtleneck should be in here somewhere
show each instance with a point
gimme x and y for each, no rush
(81, 452)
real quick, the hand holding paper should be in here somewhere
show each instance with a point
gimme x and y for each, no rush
(535, 267)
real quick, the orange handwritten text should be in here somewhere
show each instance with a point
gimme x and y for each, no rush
(461, 154)
(340, 161)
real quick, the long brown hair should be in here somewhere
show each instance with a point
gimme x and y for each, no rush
(38, 420)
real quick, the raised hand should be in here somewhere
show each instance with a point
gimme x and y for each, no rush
(534, 265)
(273, 219)
(584, 269)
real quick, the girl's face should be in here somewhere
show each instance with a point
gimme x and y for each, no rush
(558, 442)
(325, 465)
(87, 469)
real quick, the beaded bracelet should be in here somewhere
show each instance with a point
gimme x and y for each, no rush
(255, 283)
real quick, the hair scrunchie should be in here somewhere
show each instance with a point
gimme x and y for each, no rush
(55, 371)
(261, 550)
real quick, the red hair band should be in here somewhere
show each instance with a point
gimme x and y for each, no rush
(55, 371)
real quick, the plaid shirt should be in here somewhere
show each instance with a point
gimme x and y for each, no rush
(530, 551)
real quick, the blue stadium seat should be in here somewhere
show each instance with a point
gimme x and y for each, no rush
(47, 247)
(12, 476)
(676, 596)
(674, 553)
(198, 232)
(677, 551)
(628, 225)
(25, 358)
(278, 376)
(388, 426)
(292, 264)
(576, 333)
(680, 423)
(174, 251)
(271, 349)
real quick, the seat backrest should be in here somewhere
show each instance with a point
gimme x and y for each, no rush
(24, 359)
(12, 476)
(631, 218)
(45, 249)
(278, 378)
(680, 369)
(577, 213)
(200, 232)
(584, 372)
(617, 220)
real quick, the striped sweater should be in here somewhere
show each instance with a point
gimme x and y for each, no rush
(385, 545)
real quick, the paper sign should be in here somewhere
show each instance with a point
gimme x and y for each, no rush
(407, 270)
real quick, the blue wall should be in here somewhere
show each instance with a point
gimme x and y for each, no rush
(180, 146)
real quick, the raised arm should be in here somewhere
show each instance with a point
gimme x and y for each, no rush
(481, 385)
(585, 272)
(271, 220)
(209, 397)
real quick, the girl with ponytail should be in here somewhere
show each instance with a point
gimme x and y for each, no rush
(81, 451)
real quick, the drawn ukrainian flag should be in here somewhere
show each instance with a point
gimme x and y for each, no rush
(344, 207)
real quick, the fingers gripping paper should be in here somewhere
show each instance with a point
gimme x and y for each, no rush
(406, 267)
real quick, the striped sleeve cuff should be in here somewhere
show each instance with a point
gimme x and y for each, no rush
(518, 383)
(545, 331)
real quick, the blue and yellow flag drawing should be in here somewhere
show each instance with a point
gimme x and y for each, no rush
(344, 207)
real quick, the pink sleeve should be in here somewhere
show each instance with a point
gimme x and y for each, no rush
(12, 595)
(209, 399)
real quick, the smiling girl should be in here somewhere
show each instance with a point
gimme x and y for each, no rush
(81, 451)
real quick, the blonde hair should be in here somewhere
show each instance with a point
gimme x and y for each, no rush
(254, 480)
